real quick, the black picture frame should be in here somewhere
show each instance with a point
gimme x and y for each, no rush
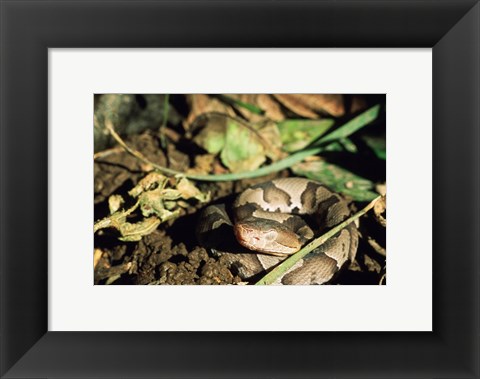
(29, 28)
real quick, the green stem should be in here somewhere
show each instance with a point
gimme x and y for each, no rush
(274, 167)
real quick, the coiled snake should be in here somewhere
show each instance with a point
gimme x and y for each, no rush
(275, 219)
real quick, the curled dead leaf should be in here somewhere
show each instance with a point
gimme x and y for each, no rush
(159, 198)
(188, 190)
(376, 246)
(311, 105)
(115, 202)
(271, 108)
(135, 232)
(201, 104)
(149, 182)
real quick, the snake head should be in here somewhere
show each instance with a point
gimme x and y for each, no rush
(267, 236)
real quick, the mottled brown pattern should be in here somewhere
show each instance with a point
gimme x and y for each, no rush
(313, 195)
(325, 267)
(274, 195)
(323, 214)
(280, 201)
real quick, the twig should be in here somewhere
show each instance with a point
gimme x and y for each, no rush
(135, 153)
(288, 263)
(106, 153)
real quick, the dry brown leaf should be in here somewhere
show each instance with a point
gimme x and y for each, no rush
(246, 113)
(265, 102)
(271, 107)
(272, 140)
(296, 105)
(372, 265)
(203, 164)
(200, 104)
(248, 98)
(309, 105)
(376, 246)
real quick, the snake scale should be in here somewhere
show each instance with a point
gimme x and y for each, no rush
(273, 220)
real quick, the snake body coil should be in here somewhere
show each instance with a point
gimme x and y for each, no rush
(275, 219)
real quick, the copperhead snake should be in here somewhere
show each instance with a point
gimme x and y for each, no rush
(275, 219)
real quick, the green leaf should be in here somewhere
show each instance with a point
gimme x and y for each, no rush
(240, 145)
(243, 150)
(348, 145)
(342, 145)
(298, 134)
(378, 146)
(352, 126)
(214, 141)
(338, 179)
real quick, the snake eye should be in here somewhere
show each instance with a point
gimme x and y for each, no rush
(271, 235)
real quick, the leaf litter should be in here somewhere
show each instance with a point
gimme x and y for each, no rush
(149, 239)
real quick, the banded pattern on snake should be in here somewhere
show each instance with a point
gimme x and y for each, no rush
(275, 219)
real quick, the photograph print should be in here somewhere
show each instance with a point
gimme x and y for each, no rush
(239, 189)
